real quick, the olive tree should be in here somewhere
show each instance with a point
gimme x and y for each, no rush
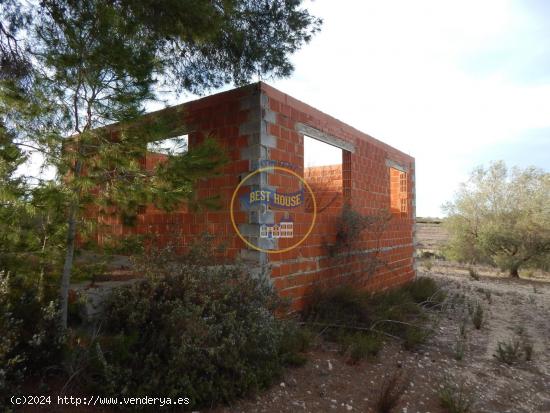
(501, 216)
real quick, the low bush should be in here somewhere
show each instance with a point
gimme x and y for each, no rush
(415, 336)
(477, 316)
(30, 337)
(341, 305)
(208, 333)
(508, 351)
(455, 397)
(296, 341)
(459, 347)
(398, 312)
(472, 272)
(361, 345)
(424, 290)
(427, 264)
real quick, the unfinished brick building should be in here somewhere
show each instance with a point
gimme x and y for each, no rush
(263, 128)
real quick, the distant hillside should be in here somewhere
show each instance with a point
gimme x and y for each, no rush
(430, 234)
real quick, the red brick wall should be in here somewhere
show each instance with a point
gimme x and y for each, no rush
(366, 184)
(258, 122)
(221, 116)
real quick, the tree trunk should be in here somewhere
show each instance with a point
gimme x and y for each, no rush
(69, 254)
(514, 272)
(67, 267)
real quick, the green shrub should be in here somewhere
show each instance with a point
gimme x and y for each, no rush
(455, 398)
(361, 345)
(341, 305)
(395, 305)
(397, 312)
(427, 255)
(30, 338)
(206, 332)
(508, 351)
(425, 290)
(296, 340)
(459, 347)
(427, 264)
(474, 275)
(477, 316)
(415, 336)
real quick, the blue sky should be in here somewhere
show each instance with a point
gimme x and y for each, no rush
(454, 84)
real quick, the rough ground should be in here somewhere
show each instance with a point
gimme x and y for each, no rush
(327, 384)
(514, 309)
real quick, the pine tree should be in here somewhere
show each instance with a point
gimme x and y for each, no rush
(72, 67)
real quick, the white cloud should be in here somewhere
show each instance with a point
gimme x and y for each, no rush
(436, 79)
(395, 69)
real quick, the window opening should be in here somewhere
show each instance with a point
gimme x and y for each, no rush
(323, 173)
(398, 192)
(170, 146)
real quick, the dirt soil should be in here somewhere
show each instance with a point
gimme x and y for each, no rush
(513, 309)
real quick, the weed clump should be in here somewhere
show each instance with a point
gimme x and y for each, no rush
(296, 341)
(508, 351)
(459, 347)
(472, 272)
(391, 391)
(427, 264)
(477, 316)
(425, 291)
(359, 346)
(455, 397)
(398, 313)
(514, 349)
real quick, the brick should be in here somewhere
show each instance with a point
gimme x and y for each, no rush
(256, 123)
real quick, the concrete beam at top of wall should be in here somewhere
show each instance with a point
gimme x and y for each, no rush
(324, 137)
(395, 165)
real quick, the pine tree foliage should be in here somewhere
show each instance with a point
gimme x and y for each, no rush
(77, 73)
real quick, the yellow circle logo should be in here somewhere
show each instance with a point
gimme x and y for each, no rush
(288, 171)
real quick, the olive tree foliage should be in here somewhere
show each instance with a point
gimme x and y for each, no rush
(501, 216)
(72, 67)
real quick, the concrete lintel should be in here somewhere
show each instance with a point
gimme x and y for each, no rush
(395, 165)
(324, 137)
